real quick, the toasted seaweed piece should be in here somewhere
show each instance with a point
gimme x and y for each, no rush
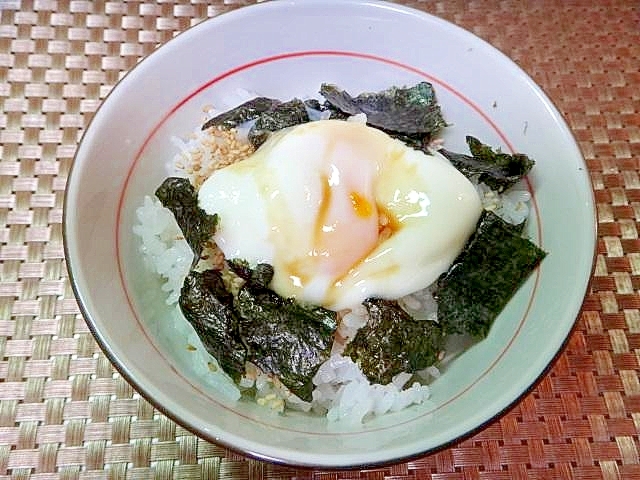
(314, 104)
(336, 113)
(393, 342)
(407, 110)
(249, 110)
(418, 141)
(489, 271)
(326, 106)
(285, 338)
(240, 267)
(276, 334)
(208, 307)
(496, 169)
(178, 195)
(282, 115)
(258, 277)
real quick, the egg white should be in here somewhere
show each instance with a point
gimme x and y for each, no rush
(343, 212)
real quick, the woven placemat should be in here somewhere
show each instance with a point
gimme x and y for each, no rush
(64, 411)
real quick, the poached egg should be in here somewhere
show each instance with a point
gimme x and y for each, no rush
(342, 212)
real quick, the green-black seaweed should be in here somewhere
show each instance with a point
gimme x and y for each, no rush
(249, 110)
(410, 114)
(180, 197)
(408, 110)
(496, 169)
(208, 307)
(285, 338)
(495, 262)
(257, 325)
(393, 342)
(282, 115)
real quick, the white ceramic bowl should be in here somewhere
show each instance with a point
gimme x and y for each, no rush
(285, 49)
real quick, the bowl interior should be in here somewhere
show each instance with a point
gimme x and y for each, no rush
(127, 151)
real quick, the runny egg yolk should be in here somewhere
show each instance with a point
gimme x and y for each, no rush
(343, 212)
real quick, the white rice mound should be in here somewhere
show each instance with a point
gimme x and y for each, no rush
(163, 247)
(342, 392)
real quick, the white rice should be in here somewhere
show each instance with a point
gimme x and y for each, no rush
(345, 394)
(342, 392)
(163, 247)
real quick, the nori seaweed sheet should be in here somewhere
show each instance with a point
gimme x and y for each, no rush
(285, 338)
(491, 268)
(314, 104)
(418, 141)
(249, 110)
(393, 342)
(496, 169)
(258, 277)
(282, 115)
(180, 197)
(336, 113)
(409, 114)
(409, 110)
(208, 307)
(278, 335)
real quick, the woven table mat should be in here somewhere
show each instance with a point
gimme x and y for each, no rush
(65, 412)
